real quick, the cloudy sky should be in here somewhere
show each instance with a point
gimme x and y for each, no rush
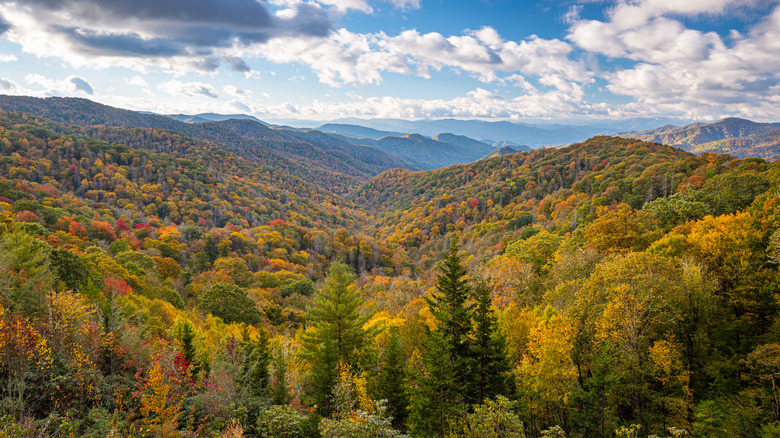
(327, 59)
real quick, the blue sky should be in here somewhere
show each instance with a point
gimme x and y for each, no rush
(562, 60)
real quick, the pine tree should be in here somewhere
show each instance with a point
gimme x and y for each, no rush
(453, 313)
(335, 333)
(447, 385)
(391, 384)
(433, 389)
(256, 363)
(489, 349)
(280, 395)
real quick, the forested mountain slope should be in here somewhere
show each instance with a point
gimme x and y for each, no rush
(333, 166)
(156, 284)
(738, 137)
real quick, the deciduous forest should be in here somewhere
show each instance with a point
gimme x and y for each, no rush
(156, 284)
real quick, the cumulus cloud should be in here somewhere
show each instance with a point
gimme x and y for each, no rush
(683, 70)
(140, 33)
(137, 81)
(82, 85)
(193, 89)
(7, 57)
(9, 87)
(4, 25)
(406, 4)
(362, 59)
(53, 87)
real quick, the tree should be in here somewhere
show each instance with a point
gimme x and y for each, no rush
(493, 419)
(453, 317)
(489, 350)
(280, 395)
(335, 332)
(447, 383)
(257, 359)
(25, 274)
(230, 303)
(391, 384)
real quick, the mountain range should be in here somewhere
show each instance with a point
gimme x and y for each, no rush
(739, 137)
(335, 161)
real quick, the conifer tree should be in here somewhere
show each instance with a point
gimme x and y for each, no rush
(256, 363)
(447, 385)
(433, 390)
(491, 363)
(335, 333)
(391, 384)
(453, 314)
(280, 395)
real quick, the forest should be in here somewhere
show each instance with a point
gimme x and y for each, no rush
(154, 284)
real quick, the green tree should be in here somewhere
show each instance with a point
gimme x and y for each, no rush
(491, 363)
(335, 333)
(230, 303)
(493, 419)
(447, 383)
(280, 395)
(391, 382)
(256, 363)
(25, 274)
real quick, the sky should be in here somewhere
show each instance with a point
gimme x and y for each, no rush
(555, 60)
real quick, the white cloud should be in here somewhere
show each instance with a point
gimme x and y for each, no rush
(68, 86)
(192, 89)
(345, 5)
(7, 57)
(137, 81)
(406, 4)
(682, 70)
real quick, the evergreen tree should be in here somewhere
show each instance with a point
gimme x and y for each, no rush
(335, 333)
(391, 384)
(256, 363)
(489, 349)
(447, 385)
(453, 315)
(433, 389)
(280, 395)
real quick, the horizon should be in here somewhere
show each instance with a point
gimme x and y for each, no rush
(573, 62)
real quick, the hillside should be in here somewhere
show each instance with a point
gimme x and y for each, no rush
(739, 137)
(157, 284)
(503, 150)
(315, 163)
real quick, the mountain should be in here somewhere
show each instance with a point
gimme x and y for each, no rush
(146, 274)
(463, 142)
(357, 131)
(212, 117)
(739, 137)
(339, 169)
(534, 133)
(503, 150)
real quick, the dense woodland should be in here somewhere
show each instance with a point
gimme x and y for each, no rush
(155, 284)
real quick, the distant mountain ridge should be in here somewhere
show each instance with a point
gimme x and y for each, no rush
(357, 131)
(212, 117)
(329, 167)
(735, 136)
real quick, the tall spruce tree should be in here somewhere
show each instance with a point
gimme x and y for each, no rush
(448, 384)
(391, 382)
(434, 393)
(492, 368)
(335, 333)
